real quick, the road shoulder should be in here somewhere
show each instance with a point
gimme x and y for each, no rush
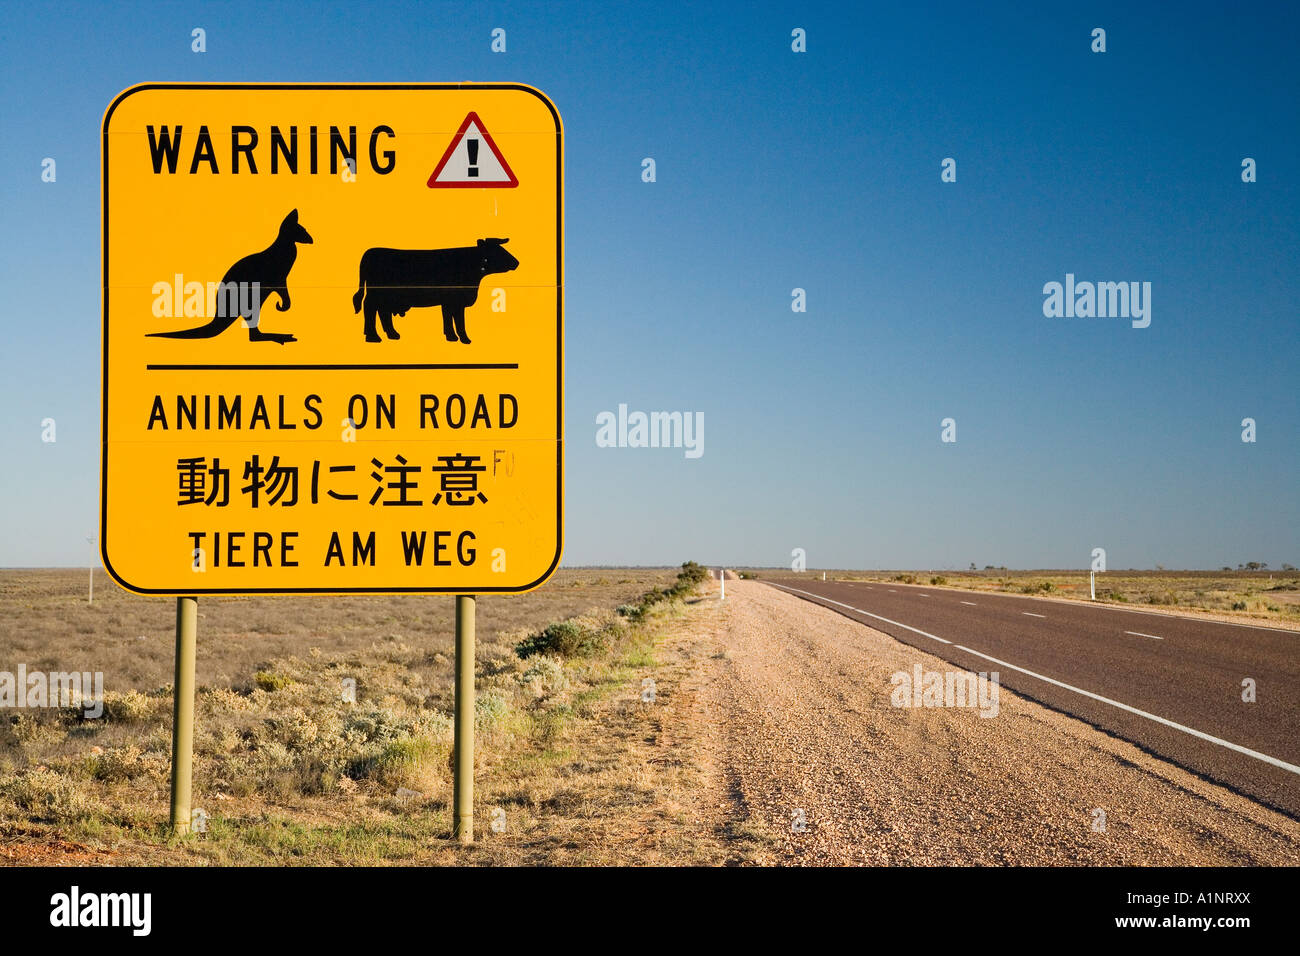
(807, 759)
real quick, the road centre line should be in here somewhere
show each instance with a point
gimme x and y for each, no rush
(1140, 634)
(971, 603)
(1032, 614)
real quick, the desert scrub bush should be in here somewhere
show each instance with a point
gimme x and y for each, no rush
(1044, 586)
(414, 763)
(593, 633)
(490, 709)
(270, 681)
(1162, 597)
(308, 751)
(46, 795)
(652, 597)
(938, 579)
(295, 728)
(565, 638)
(545, 677)
(376, 725)
(690, 577)
(395, 650)
(1239, 605)
(120, 764)
(692, 574)
(135, 707)
(223, 700)
(904, 578)
(36, 730)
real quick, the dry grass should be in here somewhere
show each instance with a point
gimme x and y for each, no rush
(288, 771)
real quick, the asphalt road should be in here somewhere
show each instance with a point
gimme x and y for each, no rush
(1172, 685)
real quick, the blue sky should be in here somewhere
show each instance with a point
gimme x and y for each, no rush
(778, 170)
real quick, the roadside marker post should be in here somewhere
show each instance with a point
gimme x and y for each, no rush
(1092, 584)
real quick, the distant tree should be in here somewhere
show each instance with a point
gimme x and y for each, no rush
(1254, 566)
(1287, 567)
(972, 565)
(1226, 568)
(1160, 567)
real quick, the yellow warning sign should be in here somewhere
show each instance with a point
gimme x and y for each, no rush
(325, 368)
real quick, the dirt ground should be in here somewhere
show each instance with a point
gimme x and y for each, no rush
(755, 731)
(801, 741)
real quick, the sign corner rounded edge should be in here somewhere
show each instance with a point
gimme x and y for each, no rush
(120, 98)
(546, 100)
(116, 578)
(546, 575)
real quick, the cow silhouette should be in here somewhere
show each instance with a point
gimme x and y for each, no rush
(395, 280)
(248, 283)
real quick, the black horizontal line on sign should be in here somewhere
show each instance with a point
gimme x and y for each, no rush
(433, 366)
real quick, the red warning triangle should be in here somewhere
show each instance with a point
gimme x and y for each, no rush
(467, 164)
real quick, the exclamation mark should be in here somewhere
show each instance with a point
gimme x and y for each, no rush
(472, 146)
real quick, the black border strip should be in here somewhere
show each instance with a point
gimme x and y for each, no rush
(559, 333)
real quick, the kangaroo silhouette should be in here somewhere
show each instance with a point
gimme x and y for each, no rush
(248, 282)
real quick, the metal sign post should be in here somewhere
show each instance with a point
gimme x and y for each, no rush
(463, 807)
(187, 612)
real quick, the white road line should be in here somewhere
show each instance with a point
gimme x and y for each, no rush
(906, 627)
(1140, 634)
(1032, 614)
(925, 595)
(971, 603)
(1142, 713)
(892, 591)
